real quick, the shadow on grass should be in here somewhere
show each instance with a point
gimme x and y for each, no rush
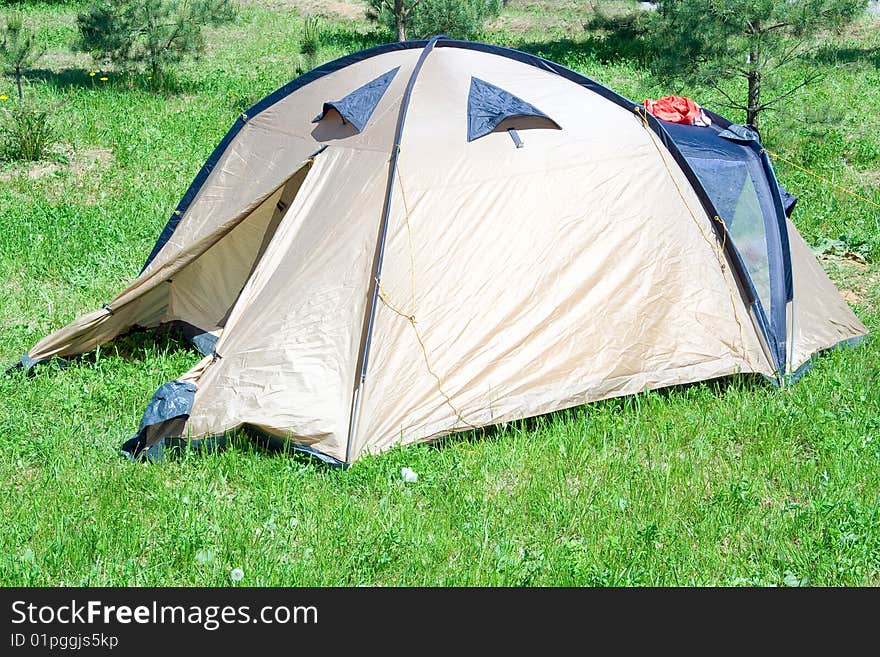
(246, 439)
(140, 344)
(136, 346)
(65, 78)
(79, 78)
(717, 388)
(606, 50)
(351, 40)
(830, 55)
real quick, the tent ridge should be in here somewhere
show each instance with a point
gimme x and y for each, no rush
(336, 65)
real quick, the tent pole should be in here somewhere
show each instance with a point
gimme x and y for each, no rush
(370, 315)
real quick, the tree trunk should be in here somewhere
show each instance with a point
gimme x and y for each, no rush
(754, 79)
(156, 74)
(754, 99)
(400, 15)
(18, 82)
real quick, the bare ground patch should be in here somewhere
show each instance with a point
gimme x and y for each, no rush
(61, 60)
(75, 174)
(852, 297)
(326, 8)
(856, 279)
(78, 162)
(869, 179)
(522, 17)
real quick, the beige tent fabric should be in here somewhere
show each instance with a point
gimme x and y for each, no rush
(97, 327)
(289, 351)
(204, 292)
(822, 317)
(146, 302)
(565, 271)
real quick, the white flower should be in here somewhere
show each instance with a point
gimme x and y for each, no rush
(204, 556)
(408, 475)
(237, 574)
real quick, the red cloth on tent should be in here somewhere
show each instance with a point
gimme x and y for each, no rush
(677, 109)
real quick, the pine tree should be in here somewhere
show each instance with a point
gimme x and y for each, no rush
(393, 13)
(714, 41)
(149, 34)
(423, 18)
(19, 48)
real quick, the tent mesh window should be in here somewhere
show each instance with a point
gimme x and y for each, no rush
(732, 189)
(734, 178)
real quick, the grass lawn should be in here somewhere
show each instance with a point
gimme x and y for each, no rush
(732, 483)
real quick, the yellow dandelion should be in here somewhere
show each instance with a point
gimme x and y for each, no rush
(91, 74)
(149, 77)
(103, 79)
(4, 97)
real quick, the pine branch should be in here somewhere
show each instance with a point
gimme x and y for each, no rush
(730, 101)
(808, 80)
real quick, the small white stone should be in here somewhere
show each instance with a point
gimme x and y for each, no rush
(408, 475)
(204, 556)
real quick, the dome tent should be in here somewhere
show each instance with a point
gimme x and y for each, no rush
(432, 236)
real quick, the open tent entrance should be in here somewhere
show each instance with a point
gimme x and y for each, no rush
(202, 295)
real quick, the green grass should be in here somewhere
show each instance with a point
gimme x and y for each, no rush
(737, 483)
